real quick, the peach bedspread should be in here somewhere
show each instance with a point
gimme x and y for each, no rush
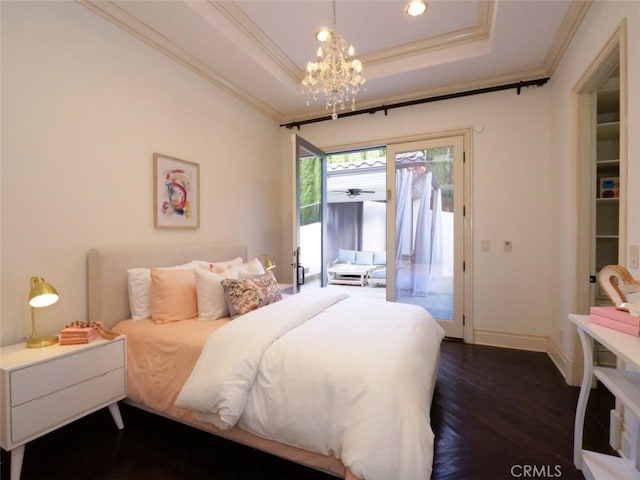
(160, 358)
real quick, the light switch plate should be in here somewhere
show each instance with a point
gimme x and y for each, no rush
(486, 245)
(508, 246)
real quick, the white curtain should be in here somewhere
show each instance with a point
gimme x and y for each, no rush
(404, 177)
(425, 244)
(404, 228)
(437, 258)
(423, 240)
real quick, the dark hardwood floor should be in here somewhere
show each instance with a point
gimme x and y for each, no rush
(494, 412)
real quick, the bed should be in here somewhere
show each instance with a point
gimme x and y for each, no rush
(314, 378)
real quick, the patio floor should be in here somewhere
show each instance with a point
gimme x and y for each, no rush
(438, 300)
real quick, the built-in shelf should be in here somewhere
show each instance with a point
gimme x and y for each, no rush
(611, 161)
(606, 210)
(608, 131)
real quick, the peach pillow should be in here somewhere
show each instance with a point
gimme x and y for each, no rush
(172, 295)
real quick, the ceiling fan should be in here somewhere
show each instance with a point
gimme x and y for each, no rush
(354, 192)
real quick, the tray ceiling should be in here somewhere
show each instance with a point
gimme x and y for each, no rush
(258, 50)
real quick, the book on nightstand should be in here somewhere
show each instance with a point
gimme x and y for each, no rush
(79, 332)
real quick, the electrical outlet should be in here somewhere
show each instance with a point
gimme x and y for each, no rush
(508, 246)
(634, 256)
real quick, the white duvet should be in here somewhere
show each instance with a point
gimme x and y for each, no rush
(341, 376)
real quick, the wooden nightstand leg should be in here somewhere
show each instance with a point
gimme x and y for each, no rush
(17, 454)
(115, 413)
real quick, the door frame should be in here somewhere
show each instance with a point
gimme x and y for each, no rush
(468, 240)
(584, 154)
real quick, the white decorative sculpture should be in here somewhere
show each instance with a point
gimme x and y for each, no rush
(617, 290)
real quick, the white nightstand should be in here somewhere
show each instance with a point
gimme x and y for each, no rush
(43, 389)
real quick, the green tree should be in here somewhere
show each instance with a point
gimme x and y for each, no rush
(310, 190)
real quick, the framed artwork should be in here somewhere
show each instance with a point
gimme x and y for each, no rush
(176, 192)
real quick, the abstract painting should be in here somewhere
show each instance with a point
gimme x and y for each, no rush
(176, 190)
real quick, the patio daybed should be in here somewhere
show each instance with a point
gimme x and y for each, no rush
(354, 267)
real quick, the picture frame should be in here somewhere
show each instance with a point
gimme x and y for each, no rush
(176, 192)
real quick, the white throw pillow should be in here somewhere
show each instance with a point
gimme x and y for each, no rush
(251, 269)
(220, 266)
(210, 293)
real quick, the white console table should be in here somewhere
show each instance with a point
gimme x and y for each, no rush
(623, 384)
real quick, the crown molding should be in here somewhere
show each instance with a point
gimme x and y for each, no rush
(261, 41)
(232, 18)
(481, 31)
(570, 24)
(236, 17)
(119, 17)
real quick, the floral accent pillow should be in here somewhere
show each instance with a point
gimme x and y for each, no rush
(244, 296)
(268, 285)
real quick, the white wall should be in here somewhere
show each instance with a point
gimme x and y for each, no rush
(512, 174)
(599, 25)
(84, 107)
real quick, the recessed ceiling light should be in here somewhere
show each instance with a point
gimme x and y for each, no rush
(415, 8)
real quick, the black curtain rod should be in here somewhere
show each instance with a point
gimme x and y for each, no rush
(539, 82)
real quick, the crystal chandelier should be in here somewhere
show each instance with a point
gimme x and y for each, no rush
(336, 74)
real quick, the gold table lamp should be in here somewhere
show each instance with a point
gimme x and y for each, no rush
(41, 294)
(268, 263)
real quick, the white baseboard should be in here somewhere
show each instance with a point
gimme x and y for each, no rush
(534, 343)
(563, 364)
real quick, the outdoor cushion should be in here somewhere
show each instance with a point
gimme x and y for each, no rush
(346, 256)
(364, 258)
(380, 258)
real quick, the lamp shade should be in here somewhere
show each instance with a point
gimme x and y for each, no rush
(41, 293)
(268, 263)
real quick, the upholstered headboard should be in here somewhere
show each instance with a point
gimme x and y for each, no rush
(107, 269)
